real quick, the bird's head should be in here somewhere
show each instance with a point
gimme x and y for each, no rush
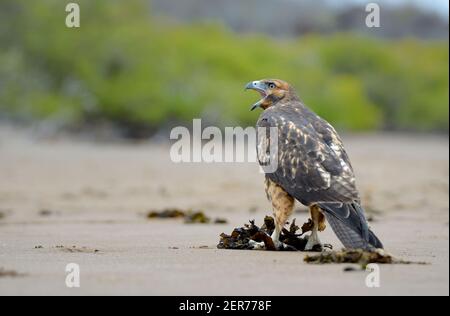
(272, 91)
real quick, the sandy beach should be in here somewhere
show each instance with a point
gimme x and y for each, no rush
(65, 200)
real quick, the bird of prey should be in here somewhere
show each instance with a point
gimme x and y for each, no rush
(313, 168)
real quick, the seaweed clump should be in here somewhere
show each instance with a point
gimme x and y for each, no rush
(248, 236)
(167, 213)
(9, 273)
(190, 217)
(357, 256)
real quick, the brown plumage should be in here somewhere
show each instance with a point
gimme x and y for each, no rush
(313, 168)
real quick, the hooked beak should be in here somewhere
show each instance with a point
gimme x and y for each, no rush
(261, 88)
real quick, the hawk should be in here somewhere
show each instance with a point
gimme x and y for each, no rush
(313, 168)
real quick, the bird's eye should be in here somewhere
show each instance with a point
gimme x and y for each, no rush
(272, 85)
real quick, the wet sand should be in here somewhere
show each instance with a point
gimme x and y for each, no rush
(57, 193)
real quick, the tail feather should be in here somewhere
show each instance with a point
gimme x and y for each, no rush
(350, 226)
(375, 241)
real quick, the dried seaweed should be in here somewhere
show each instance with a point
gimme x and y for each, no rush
(167, 213)
(45, 212)
(76, 249)
(220, 220)
(196, 217)
(10, 273)
(239, 238)
(190, 216)
(356, 256)
(246, 237)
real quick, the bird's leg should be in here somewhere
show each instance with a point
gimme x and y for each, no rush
(283, 205)
(256, 245)
(318, 225)
(276, 237)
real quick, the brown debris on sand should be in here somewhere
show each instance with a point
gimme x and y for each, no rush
(356, 256)
(4, 213)
(167, 213)
(9, 273)
(46, 213)
(190, 216)
(239, 238)
(196, 217)
(76, 249)
(245, 237)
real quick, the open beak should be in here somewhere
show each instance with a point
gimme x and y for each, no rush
(261, 88)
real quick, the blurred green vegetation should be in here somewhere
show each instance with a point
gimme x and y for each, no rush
(128, 67)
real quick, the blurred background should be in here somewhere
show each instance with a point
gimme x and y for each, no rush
(139, 67)
(85, 116)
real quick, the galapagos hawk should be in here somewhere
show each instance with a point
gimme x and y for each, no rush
(313, 168)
